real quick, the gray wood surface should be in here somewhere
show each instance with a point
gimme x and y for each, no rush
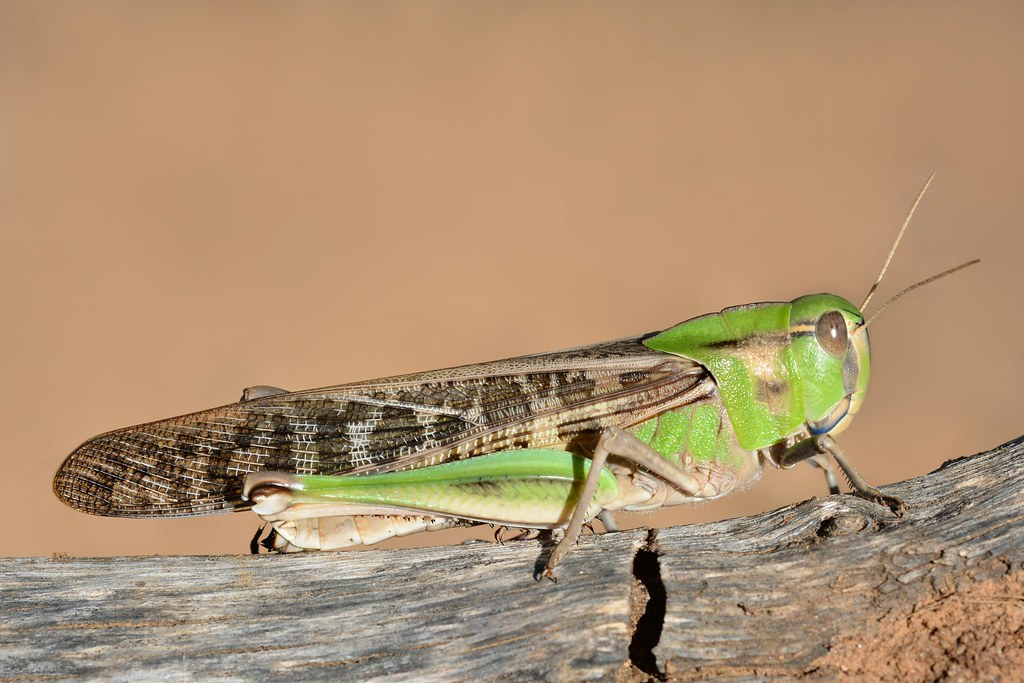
(743, 599)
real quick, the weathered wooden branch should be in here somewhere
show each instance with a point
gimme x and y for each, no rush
(795, 592)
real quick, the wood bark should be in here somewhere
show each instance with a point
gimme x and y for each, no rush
(742, 599)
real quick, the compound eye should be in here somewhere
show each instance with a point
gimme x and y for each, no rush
(831, 333)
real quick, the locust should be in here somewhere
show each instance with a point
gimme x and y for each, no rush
(547, 441)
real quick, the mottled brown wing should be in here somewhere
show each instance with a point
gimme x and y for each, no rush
(195, 464)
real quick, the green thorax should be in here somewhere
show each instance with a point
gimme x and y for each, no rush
(776, 367)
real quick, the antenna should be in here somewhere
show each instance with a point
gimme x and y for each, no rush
(895, 244)
(912, 287)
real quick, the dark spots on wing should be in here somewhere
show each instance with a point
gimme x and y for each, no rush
(197, 463)
(628, 378)
(232, 488)
(280, 433)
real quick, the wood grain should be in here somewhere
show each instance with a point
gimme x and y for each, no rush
(744, 599)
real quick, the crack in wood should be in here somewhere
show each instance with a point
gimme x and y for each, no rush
(648, 605)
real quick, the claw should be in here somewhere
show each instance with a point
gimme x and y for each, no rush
(895, 505)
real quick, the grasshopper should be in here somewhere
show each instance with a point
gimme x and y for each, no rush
(546, 441)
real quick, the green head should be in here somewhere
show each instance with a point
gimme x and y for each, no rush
(833, 358)
(830, 342)
(780, 366)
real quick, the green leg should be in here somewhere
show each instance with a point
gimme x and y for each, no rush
(621, 444)
(533, 488)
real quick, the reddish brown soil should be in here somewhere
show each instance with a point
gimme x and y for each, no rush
(972, 635)
(975, 634)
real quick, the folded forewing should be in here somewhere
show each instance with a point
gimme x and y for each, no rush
(194, 464)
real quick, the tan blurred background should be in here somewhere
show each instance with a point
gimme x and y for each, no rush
(196, 197)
